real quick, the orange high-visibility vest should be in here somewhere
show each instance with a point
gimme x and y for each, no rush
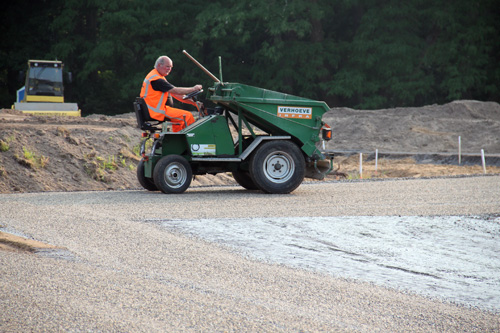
(155, 100)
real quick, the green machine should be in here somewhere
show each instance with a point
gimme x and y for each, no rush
(269, 141)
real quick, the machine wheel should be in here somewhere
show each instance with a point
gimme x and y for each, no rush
(278, 167)
(244, 179)
(172, 174)
(145, 182)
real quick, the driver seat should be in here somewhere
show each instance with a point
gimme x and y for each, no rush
(144, 120)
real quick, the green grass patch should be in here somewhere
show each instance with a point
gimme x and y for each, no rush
(32, 160)
(4, 146)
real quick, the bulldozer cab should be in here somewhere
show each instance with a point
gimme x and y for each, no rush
(44, 82)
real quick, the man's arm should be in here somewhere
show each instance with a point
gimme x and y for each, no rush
(185, 91)
(161, 85)
(164, 86)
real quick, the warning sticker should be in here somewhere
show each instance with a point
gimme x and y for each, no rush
(203, 149)
(294, 112)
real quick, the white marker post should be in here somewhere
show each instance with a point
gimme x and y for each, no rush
(459, 150)
(483, 160)
(361, 165)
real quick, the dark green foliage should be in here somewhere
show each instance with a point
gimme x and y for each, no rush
(364, 54)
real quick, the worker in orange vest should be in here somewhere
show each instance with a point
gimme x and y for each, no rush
(156, 91)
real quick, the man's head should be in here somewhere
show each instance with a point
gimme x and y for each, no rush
(164, 65)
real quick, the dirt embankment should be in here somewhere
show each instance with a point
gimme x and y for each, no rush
(41, 153)
(427, 129)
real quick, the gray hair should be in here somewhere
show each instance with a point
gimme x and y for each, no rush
(161, 60)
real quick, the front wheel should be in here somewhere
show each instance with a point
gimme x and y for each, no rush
(145, 182)
(172, 174)
(277, 167)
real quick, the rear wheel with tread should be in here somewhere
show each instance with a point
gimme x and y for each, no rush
(244, 179)
(277, 167)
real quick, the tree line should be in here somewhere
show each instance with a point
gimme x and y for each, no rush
(361, 54)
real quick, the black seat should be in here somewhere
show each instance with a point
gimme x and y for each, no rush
(144, 120)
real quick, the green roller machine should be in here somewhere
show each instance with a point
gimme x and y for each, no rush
(269, 141)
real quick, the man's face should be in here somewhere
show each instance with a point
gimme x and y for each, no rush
(166, 67)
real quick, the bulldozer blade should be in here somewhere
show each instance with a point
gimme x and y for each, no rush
(49, 109)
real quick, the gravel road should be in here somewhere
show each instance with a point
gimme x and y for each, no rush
(118, 271)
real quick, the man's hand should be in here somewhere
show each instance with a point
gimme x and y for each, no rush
(197, 87)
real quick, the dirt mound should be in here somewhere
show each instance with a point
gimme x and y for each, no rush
(42, 153)
(46, 153)
(49, 153)
(428, 129)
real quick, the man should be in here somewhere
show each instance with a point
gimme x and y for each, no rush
(156, 91)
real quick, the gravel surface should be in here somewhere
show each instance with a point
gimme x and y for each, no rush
(118, 272)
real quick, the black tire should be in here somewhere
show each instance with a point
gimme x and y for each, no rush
(277, 167)
(244, 179)
(172, 174)
(145, 182)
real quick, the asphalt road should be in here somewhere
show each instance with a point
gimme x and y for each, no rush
(120, 271)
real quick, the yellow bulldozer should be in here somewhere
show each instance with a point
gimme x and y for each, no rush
(43, 93)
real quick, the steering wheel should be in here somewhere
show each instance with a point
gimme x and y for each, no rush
(193, 94)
